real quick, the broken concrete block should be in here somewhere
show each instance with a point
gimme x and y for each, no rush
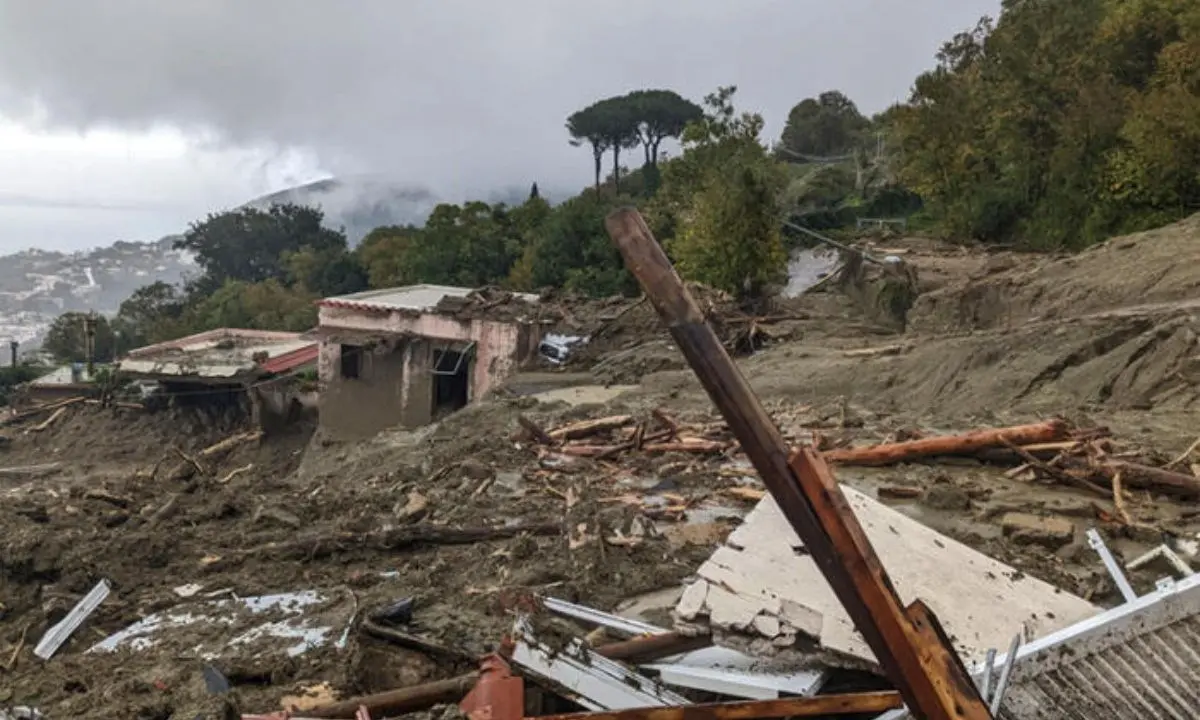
(415, 508)
(946, 497)
(1049, 532)
(279, 515)
(766, 625)
(727, 610)
(693, 600)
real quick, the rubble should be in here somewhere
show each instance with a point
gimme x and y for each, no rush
(1049, 532)
(608, 495)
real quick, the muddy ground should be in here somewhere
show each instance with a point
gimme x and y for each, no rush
(1108, 337)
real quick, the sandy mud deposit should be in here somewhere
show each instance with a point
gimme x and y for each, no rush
(470, 516)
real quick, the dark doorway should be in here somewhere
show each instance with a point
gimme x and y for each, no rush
(351, 361)
(451, 381)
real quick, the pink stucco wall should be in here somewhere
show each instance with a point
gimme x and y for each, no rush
(498, 345)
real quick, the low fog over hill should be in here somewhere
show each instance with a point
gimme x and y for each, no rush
(358, 204)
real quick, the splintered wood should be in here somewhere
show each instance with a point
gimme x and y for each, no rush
(908, 642)
(1084, 459)
(608, 437)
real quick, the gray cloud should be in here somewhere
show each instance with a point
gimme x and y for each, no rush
(462, 95)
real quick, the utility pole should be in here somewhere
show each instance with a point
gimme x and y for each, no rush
(14, 346)
(89, 331)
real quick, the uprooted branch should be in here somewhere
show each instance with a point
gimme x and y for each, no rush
(965, 444)
(1142, 477)
(393, 539)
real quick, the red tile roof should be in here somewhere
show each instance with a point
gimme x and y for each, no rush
(291, 360)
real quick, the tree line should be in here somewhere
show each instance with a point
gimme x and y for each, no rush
(1054, 126)
(1059, 124)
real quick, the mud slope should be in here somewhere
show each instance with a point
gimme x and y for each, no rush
(1158, 266)
(1120, 363)
(1114, 328)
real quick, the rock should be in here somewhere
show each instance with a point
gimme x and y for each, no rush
(475, 469)
(510, 481)
(415, 508)
(898, 492)
(279, 515)
(1049, 532)
(946, 497)
(998, 264)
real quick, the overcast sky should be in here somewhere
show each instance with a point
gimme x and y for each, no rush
(125, 119)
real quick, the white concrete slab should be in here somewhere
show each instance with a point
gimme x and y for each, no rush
(763, 570)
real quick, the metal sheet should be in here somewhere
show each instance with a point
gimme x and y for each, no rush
(714, 669)
(1140, 661)
(293, 622)
(594, 682)
(57, 635)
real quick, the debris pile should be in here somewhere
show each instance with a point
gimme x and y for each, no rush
(590, 504)
(599, 557)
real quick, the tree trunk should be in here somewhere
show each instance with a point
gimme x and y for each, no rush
(654, 151)
(597, 156)
(646, 150)
(617, 167)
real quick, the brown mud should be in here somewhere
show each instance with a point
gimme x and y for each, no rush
(1108, 337)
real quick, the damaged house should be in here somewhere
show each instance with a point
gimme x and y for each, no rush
(408, 355)
(250, 369)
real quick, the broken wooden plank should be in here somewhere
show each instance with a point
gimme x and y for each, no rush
(394, 538)
(704, 447)
(649, 648)
(965, 444)
(229, 442)
(819, 706)
(399, 702)
(50, 407)
(535, 430)
(31, 471)
(586, 428)
(1145, 477)
(45, 424)
(931, 679)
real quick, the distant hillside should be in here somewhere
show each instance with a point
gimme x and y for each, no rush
(358, 204)
(36, 286)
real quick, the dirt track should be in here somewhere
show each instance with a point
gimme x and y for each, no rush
(1017, 339)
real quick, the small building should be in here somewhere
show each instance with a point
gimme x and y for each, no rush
(62, 383)
(228, 366)
(408, 355)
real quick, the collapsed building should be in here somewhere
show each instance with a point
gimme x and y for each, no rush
(254, 369)
(405, 356)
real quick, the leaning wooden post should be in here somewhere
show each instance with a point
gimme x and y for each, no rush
(909, 644)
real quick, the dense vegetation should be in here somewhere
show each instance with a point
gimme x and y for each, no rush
(1055, 126)
(13, 375)
(1061, 124)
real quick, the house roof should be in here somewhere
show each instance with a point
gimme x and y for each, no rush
(420, 298)
(223, 353)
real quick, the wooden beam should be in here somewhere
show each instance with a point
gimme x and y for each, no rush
(649, 648)
(966, 444)
(399, 702)
(819, 706)
(931, 686)
(424, 696)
